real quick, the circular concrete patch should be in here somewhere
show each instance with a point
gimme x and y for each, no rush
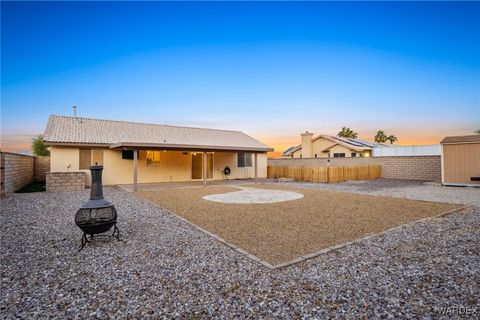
(252, 195)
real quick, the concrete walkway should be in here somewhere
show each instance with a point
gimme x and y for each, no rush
(158, 186)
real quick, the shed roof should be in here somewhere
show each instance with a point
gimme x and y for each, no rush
(63, 130)
(461, 139)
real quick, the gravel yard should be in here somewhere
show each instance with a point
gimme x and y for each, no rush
(163, 267)
(283, 231)
(408, 189)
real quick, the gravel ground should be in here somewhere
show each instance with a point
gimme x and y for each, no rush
(166, 268)
(409, 189)
(283, 231)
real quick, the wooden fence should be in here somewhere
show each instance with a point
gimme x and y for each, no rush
(325, 174)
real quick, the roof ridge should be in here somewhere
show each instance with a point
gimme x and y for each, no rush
(146, 123)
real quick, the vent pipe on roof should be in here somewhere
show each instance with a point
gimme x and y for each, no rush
(74, 111)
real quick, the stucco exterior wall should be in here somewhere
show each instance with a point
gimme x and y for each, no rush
(174, 166)
(64, 159)
(319, 145)
(306, 150)
(341, 149)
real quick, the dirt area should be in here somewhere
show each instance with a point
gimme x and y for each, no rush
(279, 232)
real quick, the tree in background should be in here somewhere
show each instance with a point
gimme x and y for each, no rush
(380, 137)
(38, 147)
(477, 131)
(347, 133)
(391, 138)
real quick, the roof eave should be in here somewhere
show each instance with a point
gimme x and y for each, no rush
(75, 144)
(168, 146)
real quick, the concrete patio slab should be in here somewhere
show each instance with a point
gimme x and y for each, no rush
(158, 186)
(252, 195)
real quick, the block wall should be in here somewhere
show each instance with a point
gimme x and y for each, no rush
(42, 166)
(65, 181)
(405, 167)
(16, 171)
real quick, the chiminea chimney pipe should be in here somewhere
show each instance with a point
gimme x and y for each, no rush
(96, 189)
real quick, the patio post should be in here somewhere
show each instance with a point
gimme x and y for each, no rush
(204, 168)
(256, 167)
(135, 169)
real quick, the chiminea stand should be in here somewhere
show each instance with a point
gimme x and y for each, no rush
(97, 215)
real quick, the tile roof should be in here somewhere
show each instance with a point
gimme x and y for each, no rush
(76, 130)
(291, 150)
(461, 139)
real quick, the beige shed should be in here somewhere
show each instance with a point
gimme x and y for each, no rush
(461, 160)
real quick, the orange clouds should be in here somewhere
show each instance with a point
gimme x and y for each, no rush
(16, 143)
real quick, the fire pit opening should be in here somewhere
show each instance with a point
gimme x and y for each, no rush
(97, 215)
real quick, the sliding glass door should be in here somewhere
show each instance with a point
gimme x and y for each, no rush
(197, 165)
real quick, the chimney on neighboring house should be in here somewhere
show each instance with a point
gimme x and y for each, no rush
(307, 145)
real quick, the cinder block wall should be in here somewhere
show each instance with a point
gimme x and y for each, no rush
(17, 171)
(409, 167)
(42, 166)
(65, 181)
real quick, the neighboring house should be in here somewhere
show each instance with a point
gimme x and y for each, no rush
(137, 152)
(325, 146)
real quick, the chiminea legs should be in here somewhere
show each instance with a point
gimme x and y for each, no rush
(115, 229)
(85, 240)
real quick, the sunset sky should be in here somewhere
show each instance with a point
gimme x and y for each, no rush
(272, 70)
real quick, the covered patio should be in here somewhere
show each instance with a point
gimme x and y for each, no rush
(202, 169)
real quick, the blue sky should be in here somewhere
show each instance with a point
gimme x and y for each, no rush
(272, 70)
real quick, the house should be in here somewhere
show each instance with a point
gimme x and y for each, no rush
(133, 152)
(326, 146)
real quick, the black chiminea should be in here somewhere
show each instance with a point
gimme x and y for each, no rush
(97, 215)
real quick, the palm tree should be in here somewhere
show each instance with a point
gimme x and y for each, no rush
(347, 133)
(392, 139)
(380, 137)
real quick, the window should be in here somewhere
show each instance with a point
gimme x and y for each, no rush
(244, 159)
(339, 155)
(354, 154)
(153, 158)
(85, 159)
(90, 157)
(127, 154)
